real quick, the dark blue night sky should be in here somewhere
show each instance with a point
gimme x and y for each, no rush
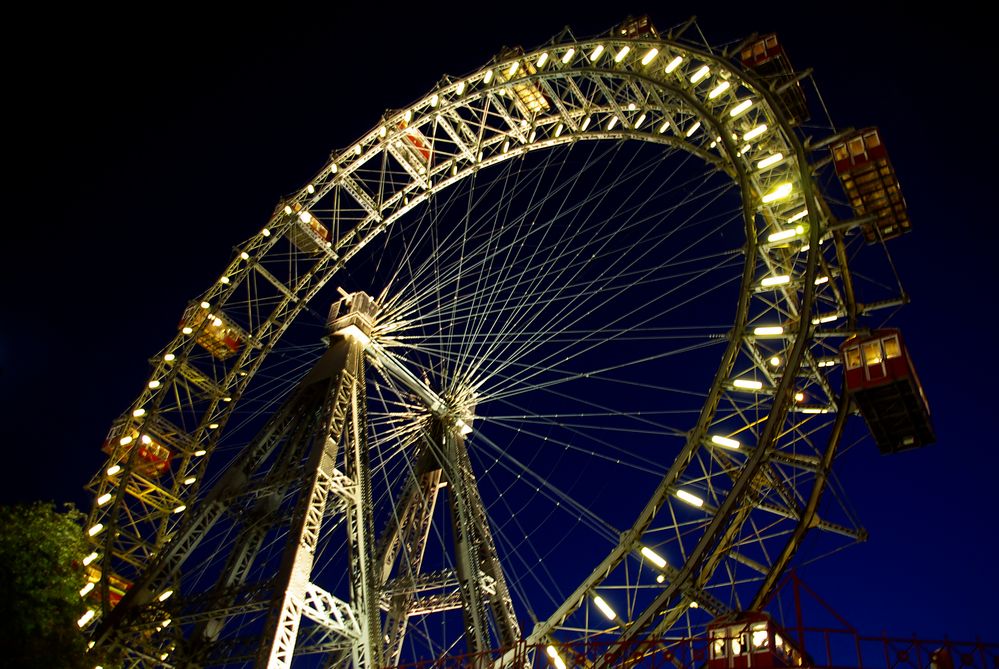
(136, 159)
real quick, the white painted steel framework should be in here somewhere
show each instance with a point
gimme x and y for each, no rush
(732, 502)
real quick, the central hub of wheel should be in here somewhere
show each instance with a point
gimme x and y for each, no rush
(355, 317)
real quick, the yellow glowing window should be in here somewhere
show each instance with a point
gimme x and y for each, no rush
(852, 357)
(856, 146)
(892, 349)
(872, 353)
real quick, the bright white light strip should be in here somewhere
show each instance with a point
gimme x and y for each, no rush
(586, 123)
(726, 442)
(664, 127)
(90, 558)
(639, 121)
(813, 410)
(821, 280)
(650, 56)
(85, 618)
(755, 132)
(190, 479)
(612, 123)
(741, 107)
(770, 160)
(180, 509)
(718, 90)
(138, 413)
(513, 69)
(596, 53)
(460, 88)
(702, 72)
(95, 530)
(104, 499)
(768, 330)
(542, 59)
(625, 50)
(825, 319)
(797, 217)
(604, 607)
(114, 469)
(692, 129)
(779, 192)
(748, 384)
(354, 332)
(568, 56)
(487, 77)
(781, 235)
(86, 589)
(653, 557)
(165, 595)
(553, 654)
(673, 64)
(778, 280)
(690, 498)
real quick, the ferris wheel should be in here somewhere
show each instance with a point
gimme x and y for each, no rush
(550, 354)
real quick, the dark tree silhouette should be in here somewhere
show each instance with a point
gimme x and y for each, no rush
(41, 575)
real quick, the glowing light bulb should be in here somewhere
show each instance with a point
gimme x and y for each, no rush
(755, 132)
(604, 607)
(741, 107)
(718, 90)
(779, 192)
(653, 557)
(700, 74)
(724, 442)
(690, 498)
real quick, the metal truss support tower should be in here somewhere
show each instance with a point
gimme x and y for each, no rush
(305, 474)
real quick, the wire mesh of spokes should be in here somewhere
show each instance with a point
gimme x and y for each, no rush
(612, 259)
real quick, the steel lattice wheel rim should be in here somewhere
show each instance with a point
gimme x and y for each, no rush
(654, 91)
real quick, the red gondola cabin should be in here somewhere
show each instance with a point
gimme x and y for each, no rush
(883, 382)
(767, 58)
(748, 641)
(870, 183)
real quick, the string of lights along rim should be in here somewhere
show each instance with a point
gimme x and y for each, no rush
(553, 355)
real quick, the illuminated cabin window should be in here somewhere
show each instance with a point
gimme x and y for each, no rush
(892, 349)
(852, 357)
(760, 637)
(872, 353)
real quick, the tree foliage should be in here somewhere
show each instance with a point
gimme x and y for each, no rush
(41, 550)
